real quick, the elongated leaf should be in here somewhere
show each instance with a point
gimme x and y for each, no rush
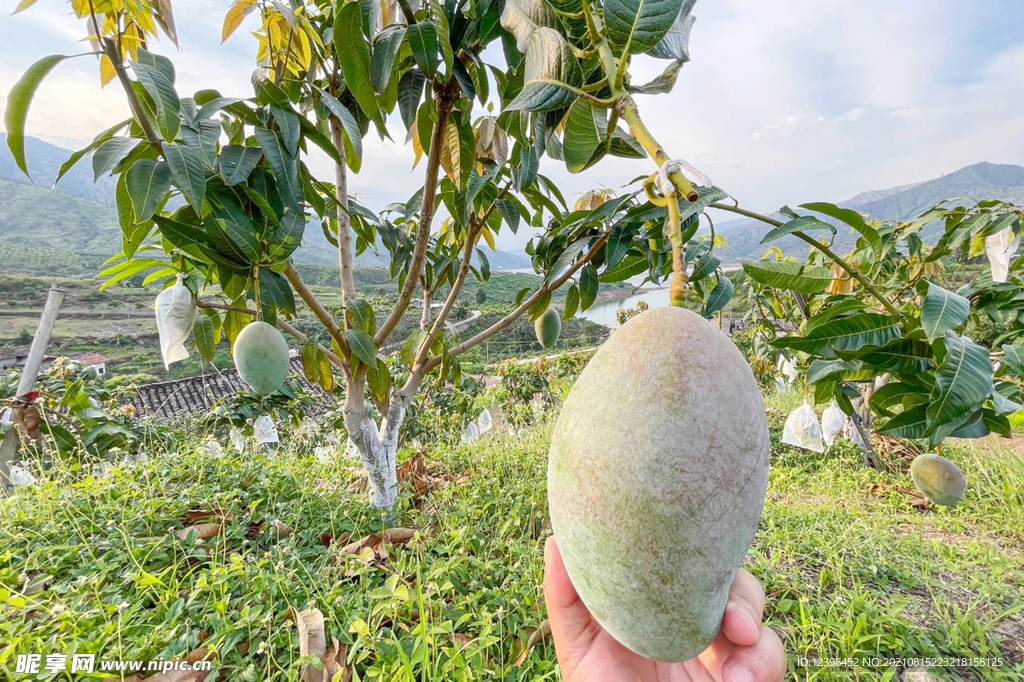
(237, 226)
(636, 26)
(110, 153)
(187, 170)
(18, 102)
(963, 381)
(585, 131)
(385, 49)
(203, 136)
(665, 81)
(707, 264)
(287, 236)
(844, 334)
(572, 302)
(96, 142)
(354, 57)
(353, 135)
(379, 379)
(912, 423)
(676, 42)
(284, 165)
(410, 89)
(899, 355)
(326, 370)
(156, 73)
(426, 49)
(851, 218)
(718, 297)
(522, 17)
(288, 123)
(628, 267)
(310, 364)
(551, 75)
(589, 284)
(895, 393)
(805, 279)
(274, 289)
(147, 181)
(802, 224)
(411, 344)
(362, 346)
(942, 311)
(236, 162)
(215, 105)
(202, 335)
(1013, 357)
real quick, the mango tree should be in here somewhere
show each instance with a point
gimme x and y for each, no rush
(217, 188)
(914, 324)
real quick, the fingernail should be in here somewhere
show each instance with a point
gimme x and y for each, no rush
(734, 606)
(737, 673)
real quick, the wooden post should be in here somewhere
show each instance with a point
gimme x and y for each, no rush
(9, 445)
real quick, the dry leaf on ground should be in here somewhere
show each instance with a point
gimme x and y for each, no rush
(203, 531)
(542, 632)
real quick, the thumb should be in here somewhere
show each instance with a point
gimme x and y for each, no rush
(573, 629)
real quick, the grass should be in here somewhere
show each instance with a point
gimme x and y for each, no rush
(851, 569)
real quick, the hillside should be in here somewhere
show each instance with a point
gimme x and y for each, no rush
(73, 228)
(978, 181)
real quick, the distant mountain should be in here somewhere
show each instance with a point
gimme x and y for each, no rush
(979, 181)
(75, 226)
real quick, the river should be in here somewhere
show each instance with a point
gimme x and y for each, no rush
(603, 312)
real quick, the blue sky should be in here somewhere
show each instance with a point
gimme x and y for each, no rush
(785, 101)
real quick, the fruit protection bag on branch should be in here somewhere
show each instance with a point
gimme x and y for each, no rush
(999, 248)
(802, 429)
(175, 315)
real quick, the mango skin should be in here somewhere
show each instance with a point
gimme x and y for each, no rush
(548, 327)
(656, 477)
(938, 479)
(261, 357)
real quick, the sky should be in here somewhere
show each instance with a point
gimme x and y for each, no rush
(784, 101)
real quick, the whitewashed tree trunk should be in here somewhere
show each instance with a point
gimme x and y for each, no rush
(377, 446)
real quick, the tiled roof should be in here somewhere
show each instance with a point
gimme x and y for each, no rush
(90, 358)
(201, 393)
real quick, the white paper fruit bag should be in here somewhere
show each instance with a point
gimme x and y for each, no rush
(802, 429)
(175, 315)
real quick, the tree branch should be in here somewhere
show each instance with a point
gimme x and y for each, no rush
(412, 276)
(838, 260)
(345, 264)
(322, 314)
(523, 307)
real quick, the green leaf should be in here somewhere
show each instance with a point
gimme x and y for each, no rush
(18, 101)
(187, 169)
(439, 18)
(274, 288)
(361, 316)
(110, 153)
(354, 57)
(707, 264)
(585, 131)
(353, 135)
(572, 302)
(665, 81)
(628, 267)
(284, 165)
(851, 218)
(899, 355)
(895, 393)
(236, 162)
(310, 363)
(202, 335)
(845, 334)
(411, 345)
(426, 50)
(378, 377)
(288, 123)
(236, 225)
(551, 75)
(147, 182)
(204, 139)
(385, 49)
(718, 297)
(96, 142)
(942, 310)
(802, 224)
(912, 423)
(1013, 357)
(287, 236)
(410, 89)
(963, 381)
(802, 278)
(676, 42)
(636, 26)
(522, 17)
(326, 371)
(589, 284)
(461, 148)
(156, 73)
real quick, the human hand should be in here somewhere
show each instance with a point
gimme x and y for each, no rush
(744, 650)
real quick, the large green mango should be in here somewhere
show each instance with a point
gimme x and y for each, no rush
(656, 478)
(547, 327)
(938, 479)
(261, 357)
